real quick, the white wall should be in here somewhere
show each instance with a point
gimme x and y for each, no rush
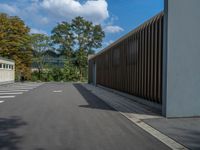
(7, 75)
(181, 86)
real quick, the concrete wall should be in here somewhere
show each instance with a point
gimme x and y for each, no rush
(7, 75)
(181, 86)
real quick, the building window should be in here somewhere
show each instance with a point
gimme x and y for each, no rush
(11, 67)
(6, 66)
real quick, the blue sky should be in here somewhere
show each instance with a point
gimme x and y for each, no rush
(117, 17)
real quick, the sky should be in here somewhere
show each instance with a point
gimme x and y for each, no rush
(117, 17)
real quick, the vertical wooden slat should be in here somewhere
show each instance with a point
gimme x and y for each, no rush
(140, 65)
(159, 60)
(122, 88)
(152, 62)
(135, 65)
(138, 68)
(155, 60)
(143, 62)
(138, 49)
(130, 66)
(127, 66)
(146, 61)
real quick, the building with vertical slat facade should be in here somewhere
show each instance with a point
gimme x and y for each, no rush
(160, 55)
(133, 63)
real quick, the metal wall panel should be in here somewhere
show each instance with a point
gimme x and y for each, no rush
(134, 63)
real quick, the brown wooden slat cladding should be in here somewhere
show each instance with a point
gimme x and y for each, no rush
(133, 64)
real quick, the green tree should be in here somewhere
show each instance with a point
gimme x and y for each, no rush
(15, 43)
(40, 45)
(63, 39)
(78, 39)
(57, 74)
(70, 71)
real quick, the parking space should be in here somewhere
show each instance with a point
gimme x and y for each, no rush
(10, 91)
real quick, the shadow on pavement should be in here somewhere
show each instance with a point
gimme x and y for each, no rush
(8, 137)
(93, 101)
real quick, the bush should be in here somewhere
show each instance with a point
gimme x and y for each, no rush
(70, 72)
(34, 76)
(56, 74)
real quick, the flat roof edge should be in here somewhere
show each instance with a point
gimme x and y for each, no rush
(128, 34)
(6, 59)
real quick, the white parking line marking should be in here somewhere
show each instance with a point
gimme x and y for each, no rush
(12, 90)
(11, 93)
(24, 86)
(59, 91)
(1, 101)
(2, 91)
(19, 88)
(16, 88)
(7, 96)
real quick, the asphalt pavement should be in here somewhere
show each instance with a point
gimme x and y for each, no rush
(65, 116)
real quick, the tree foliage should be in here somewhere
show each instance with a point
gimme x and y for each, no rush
(70, 72)
(75, 40)
(15, 43)
(63, 39)
(78, 39)
(40, 44)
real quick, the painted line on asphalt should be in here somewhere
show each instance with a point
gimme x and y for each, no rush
(7, 96)
(59, 91)
(17, 93)
(20, 87)
(1, 101)
(16, 89)
(23, 86)
(2, 91)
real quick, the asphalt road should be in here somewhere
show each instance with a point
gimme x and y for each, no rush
(65, 116)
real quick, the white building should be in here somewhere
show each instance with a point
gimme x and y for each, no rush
(7, 71)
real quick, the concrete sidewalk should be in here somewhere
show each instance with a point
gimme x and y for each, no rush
(184, 130)
(177, 133)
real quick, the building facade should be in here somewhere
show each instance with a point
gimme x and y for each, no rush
(7, 71)
(157, 62)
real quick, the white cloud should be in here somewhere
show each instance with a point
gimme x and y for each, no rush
(107, 43)
(113, 29)
(8, 9)
(37, 31)
(93, 10)
(45, 14)
(44, 20)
